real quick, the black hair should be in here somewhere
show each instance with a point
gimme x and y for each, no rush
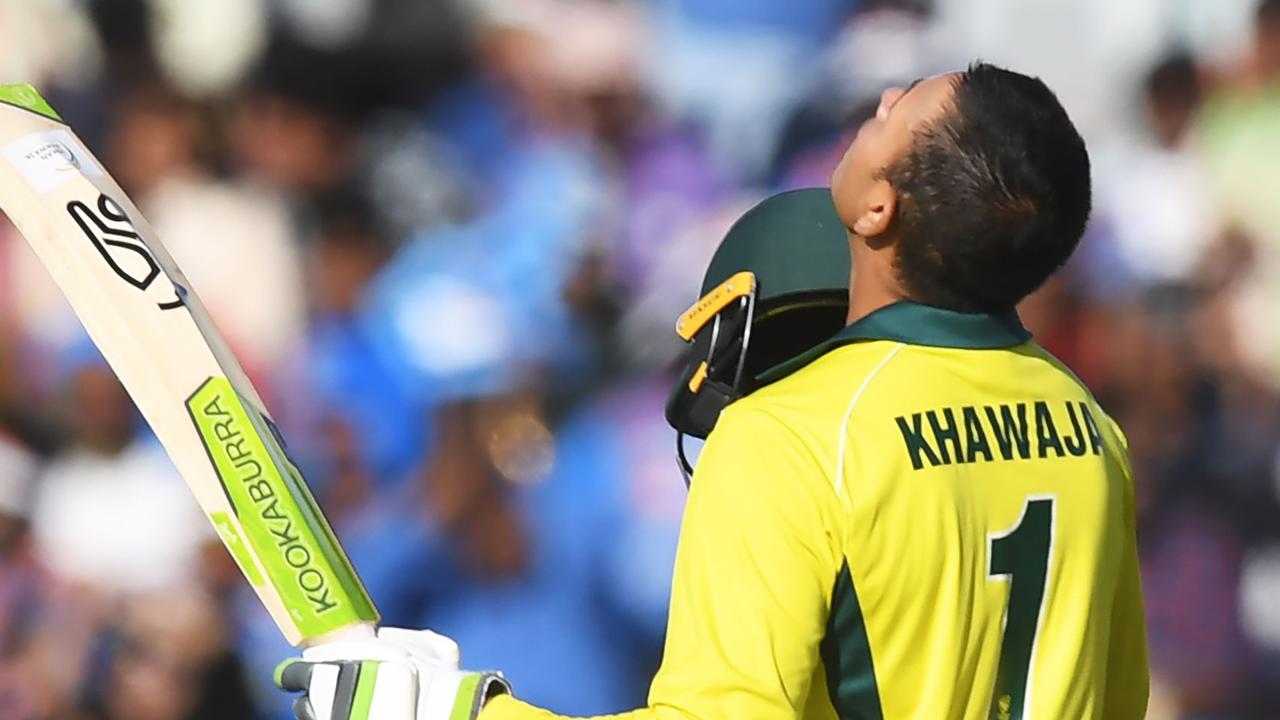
(323, 82)
(993, 196)
(1174, 80)
(1268, 12)
(346, 216)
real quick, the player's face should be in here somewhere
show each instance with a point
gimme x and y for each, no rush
(857, 183)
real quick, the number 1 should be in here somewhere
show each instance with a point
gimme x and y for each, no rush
(1020, 556)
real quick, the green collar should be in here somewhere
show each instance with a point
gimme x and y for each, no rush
(916, 324)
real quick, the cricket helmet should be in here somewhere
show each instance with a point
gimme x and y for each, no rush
(777, 286)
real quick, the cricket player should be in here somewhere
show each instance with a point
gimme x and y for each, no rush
(923, 516)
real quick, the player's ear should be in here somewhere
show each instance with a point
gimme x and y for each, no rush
(882, 203)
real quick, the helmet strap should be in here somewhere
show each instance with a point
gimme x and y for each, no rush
(713, 397)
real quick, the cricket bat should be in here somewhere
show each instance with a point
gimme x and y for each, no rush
(158, 338)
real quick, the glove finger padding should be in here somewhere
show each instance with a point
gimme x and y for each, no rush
(302, 709)
(350, 689)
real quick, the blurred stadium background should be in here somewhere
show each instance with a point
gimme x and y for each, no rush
(449, 239)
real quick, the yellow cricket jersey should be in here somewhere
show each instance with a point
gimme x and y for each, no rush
(930, 518)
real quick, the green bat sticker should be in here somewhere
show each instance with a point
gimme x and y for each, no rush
(282, 525)
(26, 96)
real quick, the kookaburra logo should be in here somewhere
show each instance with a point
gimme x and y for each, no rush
(111, 232)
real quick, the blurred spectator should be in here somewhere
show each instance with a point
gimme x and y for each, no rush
(523, 551)
(1091, 52)
(366, 427)
(1239, 131)
(663, 188)
(101, 504)
(24, 591)
(736, 67)
(296, 126)
(105, 498)
(206, 48)
(1156, 195)
(65, 51)
(166, 659)
(228, 235)
(1191, 546)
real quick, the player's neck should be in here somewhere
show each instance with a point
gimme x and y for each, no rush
(872, 281)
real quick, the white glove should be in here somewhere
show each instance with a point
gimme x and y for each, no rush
(399, 675)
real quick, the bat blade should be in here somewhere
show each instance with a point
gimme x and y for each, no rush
(158, 338)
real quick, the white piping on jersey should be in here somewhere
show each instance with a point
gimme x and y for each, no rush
(848, 413)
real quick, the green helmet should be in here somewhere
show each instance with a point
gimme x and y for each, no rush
(777, 285)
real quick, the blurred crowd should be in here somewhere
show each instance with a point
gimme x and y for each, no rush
(448, 240)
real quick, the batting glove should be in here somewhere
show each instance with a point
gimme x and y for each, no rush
(399, 675)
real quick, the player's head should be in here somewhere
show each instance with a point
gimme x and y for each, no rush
(975, 185)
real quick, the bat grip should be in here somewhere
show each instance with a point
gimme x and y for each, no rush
(350, 633)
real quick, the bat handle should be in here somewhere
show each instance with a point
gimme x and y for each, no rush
(355, 632)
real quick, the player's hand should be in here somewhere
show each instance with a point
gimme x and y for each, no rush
(400, 675)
